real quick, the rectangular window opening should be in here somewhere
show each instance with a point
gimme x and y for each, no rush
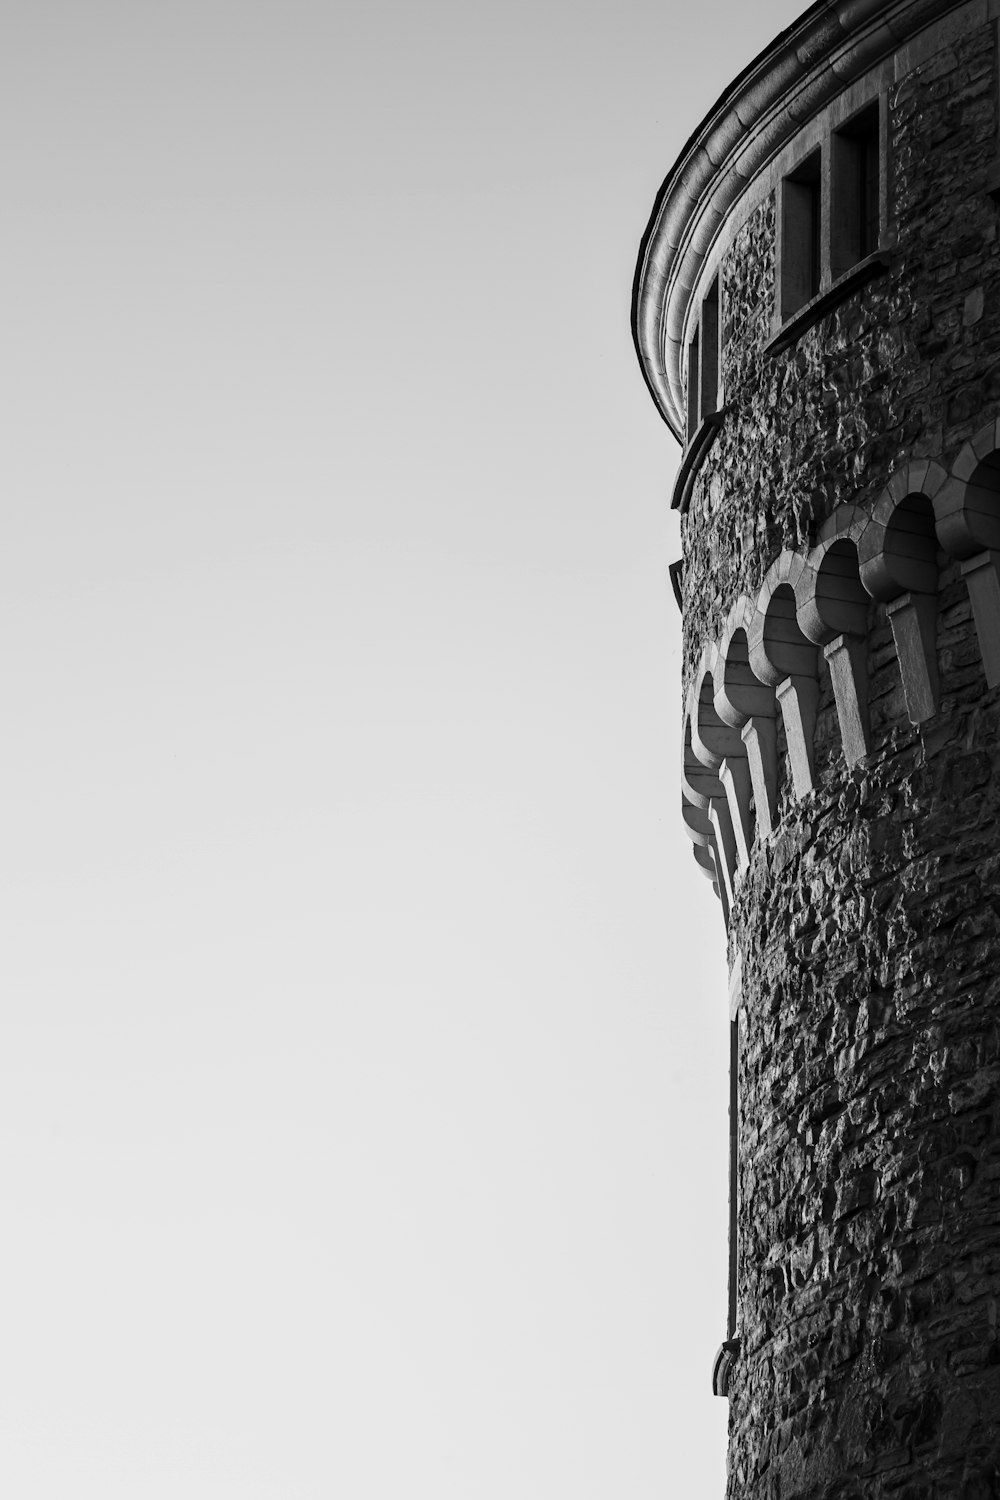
(855, 198)
(801, 200)
(709, 394)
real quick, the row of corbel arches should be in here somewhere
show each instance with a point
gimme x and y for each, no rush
(763, 671)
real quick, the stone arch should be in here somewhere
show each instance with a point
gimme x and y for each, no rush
(749, 705)
(898, 556)
(968, 524)
(847, 520)
(833, 612)
(968, 505)
(784, 658)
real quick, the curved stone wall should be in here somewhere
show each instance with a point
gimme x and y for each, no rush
(841, 601)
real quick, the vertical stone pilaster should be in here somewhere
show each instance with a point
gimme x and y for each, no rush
(913, 618)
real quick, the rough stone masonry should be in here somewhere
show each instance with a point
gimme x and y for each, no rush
(817, 316)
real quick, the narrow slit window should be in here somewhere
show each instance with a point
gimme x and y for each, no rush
(694, 386)
(801, 214)
(855, 209)
(710, 352)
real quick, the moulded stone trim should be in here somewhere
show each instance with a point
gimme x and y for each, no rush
(987, 440)
(847, 520)
(921, 477)
(811, 97)
(983, 582)
(871, 49)
(968, 513)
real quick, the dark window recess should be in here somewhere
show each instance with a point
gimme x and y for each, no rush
(709, 392)
(694, 386)
(854, 191)
(801, 200)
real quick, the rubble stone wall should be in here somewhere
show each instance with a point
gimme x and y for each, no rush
(868, 922)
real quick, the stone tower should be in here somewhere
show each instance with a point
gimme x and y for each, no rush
(817, 316)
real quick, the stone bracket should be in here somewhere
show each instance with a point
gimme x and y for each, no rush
(981, 576)
(913, 618)
(725, 852)
(799, 697)
(760, 735)
(848, 659)
(734, 773)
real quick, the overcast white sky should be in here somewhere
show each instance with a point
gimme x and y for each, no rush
(363, 1058)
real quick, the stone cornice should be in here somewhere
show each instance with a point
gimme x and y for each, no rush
(834, 43)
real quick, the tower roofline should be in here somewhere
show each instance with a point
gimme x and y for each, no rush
(810, 63)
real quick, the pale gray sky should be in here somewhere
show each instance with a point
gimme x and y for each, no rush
(363, 1069)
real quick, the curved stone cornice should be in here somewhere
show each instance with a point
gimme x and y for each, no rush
(834, 43)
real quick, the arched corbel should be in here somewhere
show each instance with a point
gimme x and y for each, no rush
(967, 510)
(897, 551)
(785, 659)
(720, 748)
(749, 705)
(702, 787)
(833, 612)
(699, 831)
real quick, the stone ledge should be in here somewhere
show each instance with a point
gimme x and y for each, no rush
(866, 270)
(693, 457)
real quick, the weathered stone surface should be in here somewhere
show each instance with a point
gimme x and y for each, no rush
(894, 373)
(866, 917)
